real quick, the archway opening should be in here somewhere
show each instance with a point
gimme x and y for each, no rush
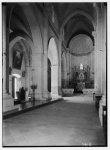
(20, 65)
(82, 51)
(53, 58)
(16, 84)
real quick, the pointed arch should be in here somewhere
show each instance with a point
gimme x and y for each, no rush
(78, 12)
(53, 57)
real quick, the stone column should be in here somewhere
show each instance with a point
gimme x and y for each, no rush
(95, 61)
(98, 53)
(5, 52)
(7, 57)
(37, 71)
(27, 80)
(59, 65)
(64, 73)
(99, 48)
(70, 75)
(54, 79)
(68, 68)
(104, 44)
(45, 58)
(103, 100)
(4, 47)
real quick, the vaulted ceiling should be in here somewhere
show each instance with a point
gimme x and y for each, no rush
(18, 22)
(78, 23)
(63, 10)
(72, 23)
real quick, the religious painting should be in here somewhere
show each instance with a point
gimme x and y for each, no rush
(17, 59)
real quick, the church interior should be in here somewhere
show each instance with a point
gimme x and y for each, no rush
(54, 57)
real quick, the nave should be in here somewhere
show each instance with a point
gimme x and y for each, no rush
(52, 51)
(73, 121)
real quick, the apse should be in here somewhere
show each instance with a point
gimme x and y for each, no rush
(82, 62)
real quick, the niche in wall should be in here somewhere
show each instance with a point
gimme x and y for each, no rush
(82, 50)
(17, 54)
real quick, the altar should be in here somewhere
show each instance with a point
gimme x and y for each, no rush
(81, 78)
(80, 86)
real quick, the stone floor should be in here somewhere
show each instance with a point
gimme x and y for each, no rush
(70, 122)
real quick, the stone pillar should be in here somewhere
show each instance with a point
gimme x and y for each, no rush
(95, 61)
(5, 52)
(103, 101)
(27, 80)
(100, 49)
(59, 65)
(45, 74)
(4, 47)
(54, 80)
(37, 71)
(7, 56)
(70, 75)
(64, 73)
(45, 59)
(104, 44)
(68, 68)
(98, 52)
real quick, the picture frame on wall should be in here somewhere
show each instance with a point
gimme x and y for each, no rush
(17, 59)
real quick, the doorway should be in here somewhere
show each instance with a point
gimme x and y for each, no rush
(16, 85)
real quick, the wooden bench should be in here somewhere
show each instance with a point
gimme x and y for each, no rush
(88, 91)
(67, 92)
(97, 97)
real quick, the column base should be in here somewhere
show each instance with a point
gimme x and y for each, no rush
(47, 96)
(41, 96)
(60, 90)
(8, 103)
(55, 96)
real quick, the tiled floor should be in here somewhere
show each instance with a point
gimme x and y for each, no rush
(28, 105)
(71, 122)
